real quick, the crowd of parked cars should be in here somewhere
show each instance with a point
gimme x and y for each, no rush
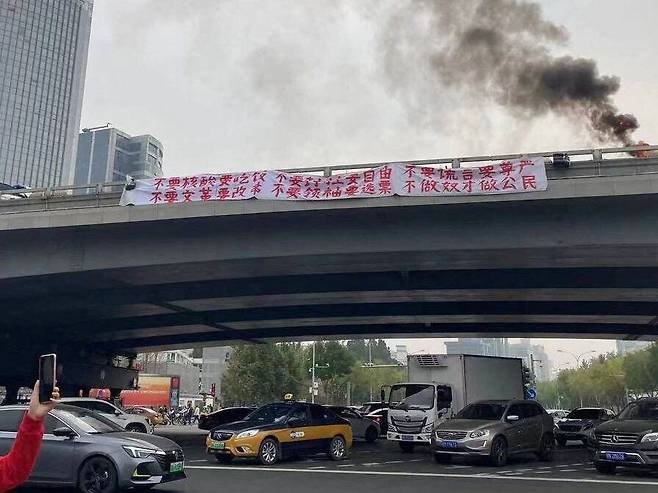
(96, 446)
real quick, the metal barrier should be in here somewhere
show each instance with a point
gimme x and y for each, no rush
(105, 194)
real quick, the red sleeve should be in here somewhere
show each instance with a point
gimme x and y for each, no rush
(17, 465)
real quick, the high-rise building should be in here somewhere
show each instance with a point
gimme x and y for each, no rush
(215, 361)
(478, 346)
(625, 347)
(108, 154)
(400, 354)
(178, 363)
(43, 59)
(533, 355)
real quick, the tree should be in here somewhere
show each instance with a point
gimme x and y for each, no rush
(339, 361)
(258, 374)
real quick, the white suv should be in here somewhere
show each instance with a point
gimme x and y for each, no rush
(130, 422)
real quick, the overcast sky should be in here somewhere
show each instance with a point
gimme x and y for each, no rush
(238, 85)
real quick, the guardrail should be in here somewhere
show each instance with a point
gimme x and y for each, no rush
(104, 194)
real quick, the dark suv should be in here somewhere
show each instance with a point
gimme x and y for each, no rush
(629, 440)
(578, 423)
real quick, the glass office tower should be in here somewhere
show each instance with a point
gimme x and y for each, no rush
(43, 59)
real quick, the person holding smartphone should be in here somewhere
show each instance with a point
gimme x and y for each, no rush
(16, 466)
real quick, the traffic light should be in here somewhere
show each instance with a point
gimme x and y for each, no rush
(529, 390)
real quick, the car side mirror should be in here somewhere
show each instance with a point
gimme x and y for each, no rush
(296, 422)
(512, 418)
(63, 431)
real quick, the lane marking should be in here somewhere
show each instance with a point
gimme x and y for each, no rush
(567, 470)
(543, 472)
(459, 467)
(427, 475)
(371, 464)
(394, 462)
(315, 468)
(197, 460)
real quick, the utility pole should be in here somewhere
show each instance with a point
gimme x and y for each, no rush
(313, 376)
(312, 371)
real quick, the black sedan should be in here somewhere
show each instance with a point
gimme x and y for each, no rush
(223, 416)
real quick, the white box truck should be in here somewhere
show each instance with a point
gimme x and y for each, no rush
(440, 385)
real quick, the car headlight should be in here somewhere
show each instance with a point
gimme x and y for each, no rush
(247, 434)
(428, 428)
(479, 433)
(141, 453)
(650, 437)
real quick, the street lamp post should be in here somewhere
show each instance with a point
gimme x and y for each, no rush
(577, 358)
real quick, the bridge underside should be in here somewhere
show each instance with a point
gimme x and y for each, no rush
(567, 267)
(114, 311)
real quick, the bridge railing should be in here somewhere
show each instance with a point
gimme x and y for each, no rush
(106, 194)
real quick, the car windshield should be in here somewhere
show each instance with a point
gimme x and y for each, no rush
(271, 413)
(88, 421)
(485, 411)
(584, 414)
(412, 397)
(640, 410)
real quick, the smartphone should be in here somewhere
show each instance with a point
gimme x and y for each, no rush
(47, 380)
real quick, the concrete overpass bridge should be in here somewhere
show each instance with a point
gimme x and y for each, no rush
(84, 276)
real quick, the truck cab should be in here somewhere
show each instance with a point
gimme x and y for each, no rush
(414, 410)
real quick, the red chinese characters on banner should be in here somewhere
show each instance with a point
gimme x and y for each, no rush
(204, 188)
(522, 175)
(376, 182)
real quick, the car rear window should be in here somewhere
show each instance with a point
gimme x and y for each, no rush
(488, 411)
(584, 414)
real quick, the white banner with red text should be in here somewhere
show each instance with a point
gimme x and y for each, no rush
(522, 175)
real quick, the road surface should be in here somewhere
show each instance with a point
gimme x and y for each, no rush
(382, 468)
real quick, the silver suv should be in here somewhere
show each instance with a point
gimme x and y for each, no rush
(495, 430)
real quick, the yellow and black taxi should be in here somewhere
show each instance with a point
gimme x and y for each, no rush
(282, 429)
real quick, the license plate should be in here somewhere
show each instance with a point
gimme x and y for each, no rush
(407, 438)
(615, 456)
(176, 467)
(449, 444)
(217, 445)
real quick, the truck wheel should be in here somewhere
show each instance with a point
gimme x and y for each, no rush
(371, 434)
(545, 452)
(605, 467)
(443, 458)
(498, 454)
(561, 441)
(407, 447)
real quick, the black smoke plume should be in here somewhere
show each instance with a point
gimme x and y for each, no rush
(499, 50)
